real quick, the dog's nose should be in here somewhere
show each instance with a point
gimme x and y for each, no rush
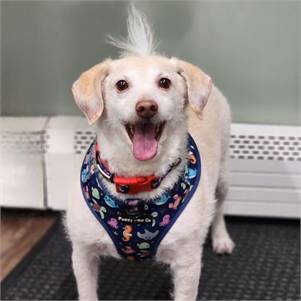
(146, 108)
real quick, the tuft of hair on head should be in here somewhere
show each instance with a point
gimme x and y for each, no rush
(140, 40)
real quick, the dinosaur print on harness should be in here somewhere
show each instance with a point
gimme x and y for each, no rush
(137, 226)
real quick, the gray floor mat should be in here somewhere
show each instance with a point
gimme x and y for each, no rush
(264, 266)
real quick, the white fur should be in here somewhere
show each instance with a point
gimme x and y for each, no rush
(181, 248)
(140, 39)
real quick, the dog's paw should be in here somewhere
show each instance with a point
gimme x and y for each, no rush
(223, 245)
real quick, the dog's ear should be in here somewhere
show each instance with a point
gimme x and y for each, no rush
(199, 84)
(87, 91)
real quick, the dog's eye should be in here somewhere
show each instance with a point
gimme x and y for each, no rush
(121, 85)
(164, 83)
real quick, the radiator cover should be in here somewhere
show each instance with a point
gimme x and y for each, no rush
(40, 155)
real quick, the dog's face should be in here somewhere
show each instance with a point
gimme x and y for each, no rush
(141, 99)
(144, 101)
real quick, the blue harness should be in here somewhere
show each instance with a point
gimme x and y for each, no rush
(137, 226)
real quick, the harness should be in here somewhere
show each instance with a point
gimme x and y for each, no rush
(136, 226)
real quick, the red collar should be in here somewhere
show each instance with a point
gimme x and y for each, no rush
(131, 185)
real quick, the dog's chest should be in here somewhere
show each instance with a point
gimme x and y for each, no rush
(136, 226)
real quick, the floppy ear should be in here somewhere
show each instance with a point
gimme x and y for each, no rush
(199, 84)
(87, 91)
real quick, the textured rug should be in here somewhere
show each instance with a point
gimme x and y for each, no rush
(265, 265)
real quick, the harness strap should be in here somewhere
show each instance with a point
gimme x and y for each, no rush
(137, 226)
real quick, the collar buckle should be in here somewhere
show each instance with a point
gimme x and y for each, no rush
(135, 184)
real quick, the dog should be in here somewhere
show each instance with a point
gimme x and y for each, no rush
(155, 178)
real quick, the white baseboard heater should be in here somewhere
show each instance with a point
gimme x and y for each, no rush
(39, 156)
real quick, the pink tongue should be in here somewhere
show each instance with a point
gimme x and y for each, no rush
(145, 144)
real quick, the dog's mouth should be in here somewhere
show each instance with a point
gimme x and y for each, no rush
(145, 137)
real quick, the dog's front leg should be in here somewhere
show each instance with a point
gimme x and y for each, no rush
(186, 270)
(85, 266)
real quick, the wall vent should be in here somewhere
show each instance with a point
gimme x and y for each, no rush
(82, 140)
(24, 141)
(254, 147)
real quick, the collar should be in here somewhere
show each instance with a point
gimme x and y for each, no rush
(131, 185)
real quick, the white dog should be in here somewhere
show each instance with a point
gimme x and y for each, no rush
(145, 192)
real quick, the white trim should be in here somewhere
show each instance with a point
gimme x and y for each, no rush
(272, 180)
(262, 209)
(264, 129)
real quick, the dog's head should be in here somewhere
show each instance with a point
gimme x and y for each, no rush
(141, 98)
